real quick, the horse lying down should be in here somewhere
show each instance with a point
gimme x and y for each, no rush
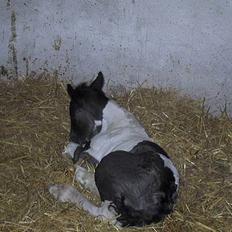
(135, 178)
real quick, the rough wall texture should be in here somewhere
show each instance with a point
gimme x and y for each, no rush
(184, 44)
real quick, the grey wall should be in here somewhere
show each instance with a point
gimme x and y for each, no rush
(184, 44)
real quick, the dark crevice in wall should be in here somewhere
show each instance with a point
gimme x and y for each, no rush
(27, 65)
(12, 51)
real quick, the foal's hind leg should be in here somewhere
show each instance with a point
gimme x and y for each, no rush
(67, 193)
(86, 179)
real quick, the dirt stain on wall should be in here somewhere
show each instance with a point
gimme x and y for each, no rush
(57, 43)
(3, 71)
(8, 3)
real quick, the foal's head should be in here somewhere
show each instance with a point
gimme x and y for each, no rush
(86, 110)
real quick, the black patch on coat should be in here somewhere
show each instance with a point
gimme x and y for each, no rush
(141, 188)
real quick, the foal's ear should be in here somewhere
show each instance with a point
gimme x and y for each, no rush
(98, 82)
(70, 90)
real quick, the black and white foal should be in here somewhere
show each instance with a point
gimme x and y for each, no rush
(136, 180)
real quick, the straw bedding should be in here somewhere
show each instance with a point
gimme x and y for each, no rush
(34, 125)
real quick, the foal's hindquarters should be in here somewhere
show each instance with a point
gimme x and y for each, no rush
(141, 188)
(136, 188)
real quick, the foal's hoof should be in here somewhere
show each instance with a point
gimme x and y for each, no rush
(107, 211)
(69, 150)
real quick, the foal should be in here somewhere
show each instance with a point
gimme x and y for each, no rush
(135, 178)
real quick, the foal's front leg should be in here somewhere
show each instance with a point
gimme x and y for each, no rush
(82, 175)
(86, 179)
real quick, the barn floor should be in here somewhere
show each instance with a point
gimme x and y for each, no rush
(34, 125)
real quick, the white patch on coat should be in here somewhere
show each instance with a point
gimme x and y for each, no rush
(70, 149)
(168, 163)
(120, 131)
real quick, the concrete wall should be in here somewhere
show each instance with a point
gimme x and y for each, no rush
(184, 44)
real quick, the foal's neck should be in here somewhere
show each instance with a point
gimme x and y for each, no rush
(115, 115)
(113, 112)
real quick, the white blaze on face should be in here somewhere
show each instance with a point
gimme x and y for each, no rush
(97, 123)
